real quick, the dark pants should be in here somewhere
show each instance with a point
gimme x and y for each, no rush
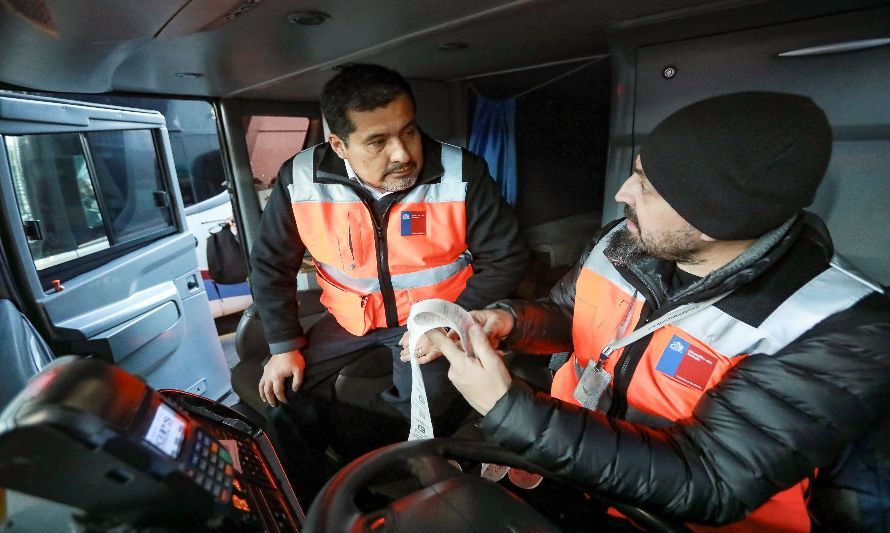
(330, 348)
(317, 422)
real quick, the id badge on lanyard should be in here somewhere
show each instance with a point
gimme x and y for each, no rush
(591, 385)
(593, 379)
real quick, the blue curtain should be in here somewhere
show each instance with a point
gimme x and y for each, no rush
(494, 138)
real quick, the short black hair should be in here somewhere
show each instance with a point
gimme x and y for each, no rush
(359, 87)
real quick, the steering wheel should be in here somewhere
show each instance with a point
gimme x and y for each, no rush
(446, 500)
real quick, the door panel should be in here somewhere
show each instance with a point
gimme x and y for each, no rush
(116, 294)
(120, 341)
(96, 225)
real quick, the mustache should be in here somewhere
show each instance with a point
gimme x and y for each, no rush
(401, 167)
(631, 215)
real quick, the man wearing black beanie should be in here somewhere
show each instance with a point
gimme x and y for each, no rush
(720, 354)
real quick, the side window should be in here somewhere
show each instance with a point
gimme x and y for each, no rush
(131, 183)
(79, 194)
(194, 140)
(272, 140)
(56, 197)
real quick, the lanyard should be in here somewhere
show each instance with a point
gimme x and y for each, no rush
(684, 311)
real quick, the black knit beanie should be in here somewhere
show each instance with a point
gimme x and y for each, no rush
(737, 165)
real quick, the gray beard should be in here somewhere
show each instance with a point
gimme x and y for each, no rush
(625, 248)
(399, 184)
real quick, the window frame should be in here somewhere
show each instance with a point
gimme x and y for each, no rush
(22, 114)
(164, 182)
(81, 265)
(89, 99)
(231, 114)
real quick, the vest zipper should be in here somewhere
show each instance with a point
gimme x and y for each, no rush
(624, 368)
(351, 248)
(626, 365)
(383, 275)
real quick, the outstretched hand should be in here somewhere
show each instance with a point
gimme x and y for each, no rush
(496, 323)
(280, 367)
(481, 379)
(426, 350)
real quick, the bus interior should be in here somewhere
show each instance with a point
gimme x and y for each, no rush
(134, 131)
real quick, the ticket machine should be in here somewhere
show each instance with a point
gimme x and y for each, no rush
(90, 435)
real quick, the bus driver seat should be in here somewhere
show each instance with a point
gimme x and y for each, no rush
(25, 351)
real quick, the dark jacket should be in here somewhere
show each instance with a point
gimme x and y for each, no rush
(766, 426)
(493, 239)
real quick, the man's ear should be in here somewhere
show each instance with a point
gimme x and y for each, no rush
(338, 145)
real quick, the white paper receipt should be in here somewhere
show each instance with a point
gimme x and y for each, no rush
(424, 316)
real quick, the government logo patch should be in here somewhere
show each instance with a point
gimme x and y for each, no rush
(413, 223)
(686, 363)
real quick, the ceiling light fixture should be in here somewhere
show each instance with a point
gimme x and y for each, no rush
(308, 18)
(189, 75)
(453, 46)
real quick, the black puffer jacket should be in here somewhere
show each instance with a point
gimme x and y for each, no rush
(766, 426)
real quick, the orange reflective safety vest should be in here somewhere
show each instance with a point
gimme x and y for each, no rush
(685, 358)
(419, 251)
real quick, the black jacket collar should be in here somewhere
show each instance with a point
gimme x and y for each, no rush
(651, 275)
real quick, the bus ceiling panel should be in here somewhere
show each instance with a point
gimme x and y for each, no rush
(96, 21)
(261, 47)
(249, 48)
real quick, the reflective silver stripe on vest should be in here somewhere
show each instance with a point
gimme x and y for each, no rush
(452, 164)
(600, 264)
(328, 193)
(832, 291)
(450, 189)
(840, 262)
(301, 168)
(728, 335)
(421, 278)
(304, 190)
(436, 192)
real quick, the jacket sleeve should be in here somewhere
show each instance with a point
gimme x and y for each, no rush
(545, 327)
(765, 427)
(493, 238)
(275, 260)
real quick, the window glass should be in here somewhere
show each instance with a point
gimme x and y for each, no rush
(79, 194)
(272, 140)
(56, 197)
(194, 140)
(130, 179)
